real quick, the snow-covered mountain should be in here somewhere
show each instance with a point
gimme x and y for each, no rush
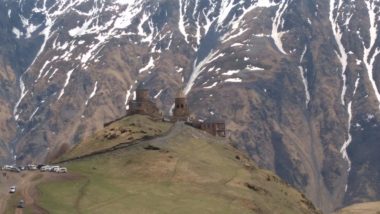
(296, 80)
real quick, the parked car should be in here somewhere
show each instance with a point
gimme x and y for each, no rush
(21, 204)
(11, 168)
(62, 170)
(14, 169)
(31, 167)
(54, 168)
(45, 168)
(7, 167)
(39, 166)
(12, 189)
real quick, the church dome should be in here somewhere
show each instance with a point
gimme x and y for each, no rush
(181, 94)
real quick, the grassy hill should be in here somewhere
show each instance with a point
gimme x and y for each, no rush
(183, 171)
(367, 208)
(123, 131)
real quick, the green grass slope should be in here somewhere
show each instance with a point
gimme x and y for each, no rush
(185, 171)
(124, 131)
(362, 208)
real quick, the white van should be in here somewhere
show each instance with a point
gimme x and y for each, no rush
(54, 168)
(31, 167)
(7, 167)
(62, 170)
(12, 189)
(45, 168)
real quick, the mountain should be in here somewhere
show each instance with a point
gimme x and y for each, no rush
(180, 170)
(295, 80)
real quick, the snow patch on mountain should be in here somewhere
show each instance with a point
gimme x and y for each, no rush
(127, 96)
(93, 93)
(305, 83)
(231, 72)
(254, 68)
(371, 52)
(342, 55)
(181, 20)
(278, 23)
(17, 32)
(304, 79)
(225, 9)
(237, 28)
(148, 66)
(343, 149)
(22, 95)
(211, 86)
(233, 80)
(158, 94)
(68, 76)
(34, 113)
(198, 67)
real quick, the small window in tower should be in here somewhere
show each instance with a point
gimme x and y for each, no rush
(181, 105)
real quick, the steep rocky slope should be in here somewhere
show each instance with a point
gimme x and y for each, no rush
(296, 80)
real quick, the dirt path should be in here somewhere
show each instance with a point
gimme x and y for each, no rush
(25, 183)
(5, 183)
(24, 187)
(28, 191)
(22, 183)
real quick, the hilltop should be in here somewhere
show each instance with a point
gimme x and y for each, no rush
(121, 132)
(367, 207)
(176, 170)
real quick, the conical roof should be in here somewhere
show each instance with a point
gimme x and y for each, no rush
(181, 93)
(141, 86)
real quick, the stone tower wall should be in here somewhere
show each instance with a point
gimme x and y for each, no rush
(181, 109)
(142, 95)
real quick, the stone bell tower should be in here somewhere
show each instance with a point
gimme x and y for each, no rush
(181, 109)
(142, 94)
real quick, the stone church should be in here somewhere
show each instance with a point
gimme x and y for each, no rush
(181, 109)
(181, 112)
(143, 104)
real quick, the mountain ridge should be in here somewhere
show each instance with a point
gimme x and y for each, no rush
(296, 80)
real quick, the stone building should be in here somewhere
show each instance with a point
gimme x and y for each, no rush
(143, 104)
(181, 112)
(181, 109)
(213, 126)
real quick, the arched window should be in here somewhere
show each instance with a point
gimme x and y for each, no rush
(181, 105)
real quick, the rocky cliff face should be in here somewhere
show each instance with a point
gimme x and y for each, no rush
(296, 80)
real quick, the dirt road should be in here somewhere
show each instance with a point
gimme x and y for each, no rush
(25, 183)
(6, 182)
